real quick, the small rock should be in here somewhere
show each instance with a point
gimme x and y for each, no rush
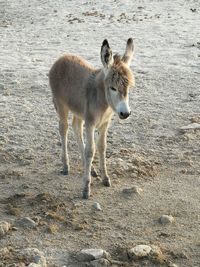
(97, 206)
(192, 126)
(27, 222)
(4, 228)
(132, 190)
(91, 254)
(165, 219)
(100, 263)
(139, 251)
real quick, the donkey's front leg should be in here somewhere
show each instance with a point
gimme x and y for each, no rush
(89, 154)
(102, 143)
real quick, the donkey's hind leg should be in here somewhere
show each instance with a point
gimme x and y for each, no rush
(77, 125)
(63, 129)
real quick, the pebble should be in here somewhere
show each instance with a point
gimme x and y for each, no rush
(143, 251)
(165, 219)
(97, 206)
(4, 228)
(91, 254)
(139, 251)
(27, 222)
(132, 190)
(192, 126)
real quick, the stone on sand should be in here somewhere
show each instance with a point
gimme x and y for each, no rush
(97, 206)
(132, 190)
(192, 126)
(4, 228)
(166, 219)
(91, 254)
(26, 222)
(139, 251)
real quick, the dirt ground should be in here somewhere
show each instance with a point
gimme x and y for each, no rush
(148, 150)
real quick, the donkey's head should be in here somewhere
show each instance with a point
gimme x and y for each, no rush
(118, 78)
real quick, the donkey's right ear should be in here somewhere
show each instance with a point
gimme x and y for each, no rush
(129, 52)
(106, 55)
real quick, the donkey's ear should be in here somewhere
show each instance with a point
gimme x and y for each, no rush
(128, 55)
(106, 55)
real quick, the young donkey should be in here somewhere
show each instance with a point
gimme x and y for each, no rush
(92, 95)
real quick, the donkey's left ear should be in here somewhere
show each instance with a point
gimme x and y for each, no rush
(128, 55)
(106, 55)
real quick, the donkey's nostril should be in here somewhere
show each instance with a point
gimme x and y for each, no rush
(123, 115)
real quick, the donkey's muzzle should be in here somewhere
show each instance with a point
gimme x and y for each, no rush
(124, 115)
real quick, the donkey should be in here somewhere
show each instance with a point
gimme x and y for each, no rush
(93, 96)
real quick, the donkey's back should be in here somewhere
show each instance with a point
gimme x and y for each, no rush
(68, 79)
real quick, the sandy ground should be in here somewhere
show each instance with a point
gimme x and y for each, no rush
(147, 150)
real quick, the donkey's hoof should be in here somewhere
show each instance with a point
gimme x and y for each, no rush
(106, 182)
(65, 171)
(86, 194)
(94, 172)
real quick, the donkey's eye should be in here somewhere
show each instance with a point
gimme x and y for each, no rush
(113, 89)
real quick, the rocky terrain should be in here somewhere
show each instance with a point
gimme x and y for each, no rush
(151, 214)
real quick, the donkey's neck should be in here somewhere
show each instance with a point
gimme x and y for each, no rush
(100, 87)
(105, 112)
